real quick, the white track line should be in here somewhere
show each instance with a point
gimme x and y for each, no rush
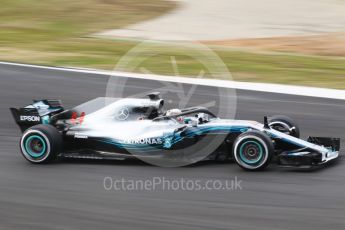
(260, 87)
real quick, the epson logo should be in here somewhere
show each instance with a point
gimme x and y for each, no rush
(30, 118)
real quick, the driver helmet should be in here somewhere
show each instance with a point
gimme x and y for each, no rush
(173, 112)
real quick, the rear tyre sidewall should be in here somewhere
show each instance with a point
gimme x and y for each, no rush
(253, 151)
(41, 144)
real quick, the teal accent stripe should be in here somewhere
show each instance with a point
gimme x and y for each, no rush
(190, 133)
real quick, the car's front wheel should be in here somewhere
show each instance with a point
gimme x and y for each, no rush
(253, 150)
(285, 125)
(41, 144)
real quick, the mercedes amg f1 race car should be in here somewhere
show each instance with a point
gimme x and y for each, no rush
(121, 128)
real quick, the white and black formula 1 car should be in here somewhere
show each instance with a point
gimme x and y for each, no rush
(121, 128)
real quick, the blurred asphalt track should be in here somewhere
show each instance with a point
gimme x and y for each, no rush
(70, 195)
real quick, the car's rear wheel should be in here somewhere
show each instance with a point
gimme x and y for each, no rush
(284, 124)
(253, 150)
(41, 144)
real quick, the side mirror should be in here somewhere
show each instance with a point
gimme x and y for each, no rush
(266, 125)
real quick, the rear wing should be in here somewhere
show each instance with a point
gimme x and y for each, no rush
(25, 118)
(37, 113)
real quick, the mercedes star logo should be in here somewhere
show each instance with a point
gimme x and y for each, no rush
(122, 114)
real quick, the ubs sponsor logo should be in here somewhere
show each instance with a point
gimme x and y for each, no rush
(80, 136)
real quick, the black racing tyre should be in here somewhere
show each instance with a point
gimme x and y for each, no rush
(41, 144)
(253, 150)
(284, 124)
